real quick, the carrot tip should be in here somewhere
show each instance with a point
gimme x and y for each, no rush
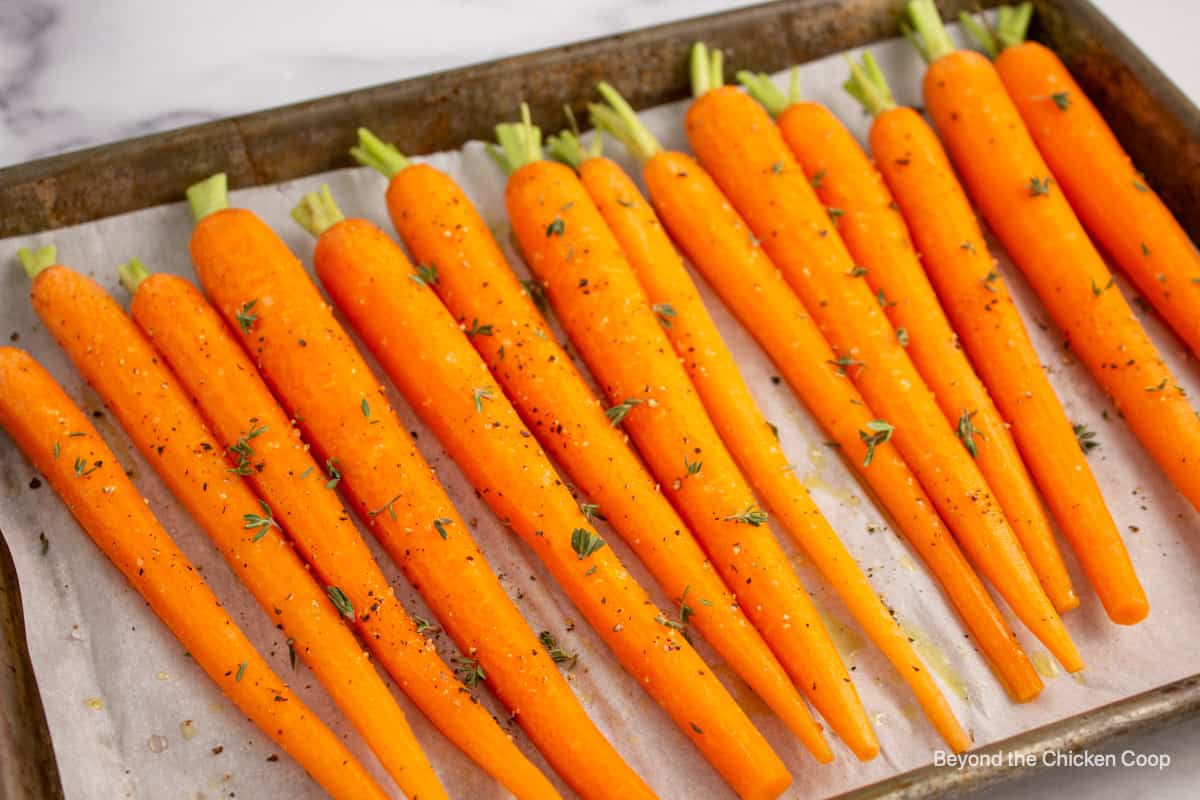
(132, 274)
(34, 261)
(207, 196)
(317, 212)
(377, 154)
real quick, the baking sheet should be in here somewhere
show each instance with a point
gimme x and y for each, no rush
(118, 691)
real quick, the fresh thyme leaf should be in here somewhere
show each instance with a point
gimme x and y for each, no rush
(335, 475)
(835, 215)
(246, 319)
(537, 293)
(241, 670)
(902, 336)
(1145, 249)
(1086, 438)
(882, 298)
(878, 432)
(815, 180)
(585, 542)
(1141, 187)
(1062, 100)
(245, 453)
(479, 394)
(340, 601)
(424, 625)
(385, 507)
(556, 227)
(366, 408)
(989, 280)
(844, 362)
(426, 274)
(1157, 388)
(626, 203)
(440, 524)
(591, 512)
(479, 330)
(469, 671)
(306, 473)
(262, 522)
(967, 432)
(858, 271)
(1039, 186)
(751, 516)
(82, 469)
(693, 467)
(1097, 290)
(57, 450)
(968, 246)
(777, 167)
(664, 312)
(616, 415)
(556, 653)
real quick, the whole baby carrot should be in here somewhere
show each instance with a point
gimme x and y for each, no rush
(742, 149)
(266, 448)
(1023, 203)
(61, 443)
(877, 239)
(955, 256)
(1114, 201)
(120, 364)
(595, 294)
(440, 226)
(428, 357)
(745, 431)
(722, 248)
(308, 359)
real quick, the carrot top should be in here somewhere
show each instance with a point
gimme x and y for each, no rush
(132, 274)
(520, 143)
(377, 154)
(708, 69)
(317, 212)
(760, 86)
(207, 196)
(618, 119)
(567, 146)
(868, 85)
(924, 29)
(34, 261)
(1012, 23)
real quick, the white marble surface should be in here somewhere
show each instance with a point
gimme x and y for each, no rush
(78, 73)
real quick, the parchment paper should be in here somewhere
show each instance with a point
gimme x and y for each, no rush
(118, 688)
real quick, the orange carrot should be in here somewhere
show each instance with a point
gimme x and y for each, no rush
(268, 299)
(722, 249)
(120, 364)
(1023, 203)
(878, 241)
(64, 447)
(742, 149)
(1113, 200)
(440, 226)
(266, 448)
(430, 360)
(955, 257)
(596, 295)
(743, 428)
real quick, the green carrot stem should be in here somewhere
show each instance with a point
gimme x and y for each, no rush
(619, 120)
(132, 274)
(207, 196)
(760, 86)
(377, 154)
(1012, 24)
(567, 146)
(980, 32)
(707, 67)
(520, 143)
(317, 212)
(34, 261)
(868, 85)
(927, 33)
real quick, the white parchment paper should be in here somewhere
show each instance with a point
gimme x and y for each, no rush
(132, 716)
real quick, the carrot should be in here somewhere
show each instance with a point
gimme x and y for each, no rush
(439, 225)
(743, 428)
(1022, 202)
(62, 445)
(1112, 199)
(120, 364)
(955, 257)
(266, 448)
(877, 239)
(430, 360)
(595, 294)
(742, 149)
(308, 359)
(720, 246)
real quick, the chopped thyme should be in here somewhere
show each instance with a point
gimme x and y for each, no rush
(340, 601)
(878, 432)
(664, 312)
(556, 227)
(479, 330)
(1097, 291)
(424, 625)
(1159, 387)
(1062, 100)
(968, 246)
(857, 271)
(692, 467)
(335, 475)
(244, 452)
(537, 293)
(1141, 187)
(616, 415)
(241, 670)
(591, 512)
(902, 336)
(426, 274)
(835, 215)
(967, 432)
(246, 319)
(989, 280)
(1086, 438)
(751, 516)
(882, 298)
(262, 522)
(479, 394)
(57, 449)
(585, 542)
(469, 671)
(556, 653)
(1039, 187)
(366, 408)
(843, 362)
(815, 180)
(440, 524)
(385, 507)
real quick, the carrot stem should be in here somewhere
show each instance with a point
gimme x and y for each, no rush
(619, 120)
(520, 143)
(207, 196)
(760, 86)
(927, 33)
(868, 85)
(980, 32)
(1012, 23)
(708, 68)
(567, 146)
(381, 156)
(132, 274)
(34, 261)
(317, 211)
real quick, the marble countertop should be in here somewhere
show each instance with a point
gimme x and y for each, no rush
(74, 74)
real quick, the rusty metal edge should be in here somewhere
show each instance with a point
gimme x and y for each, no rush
(1161, 130)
